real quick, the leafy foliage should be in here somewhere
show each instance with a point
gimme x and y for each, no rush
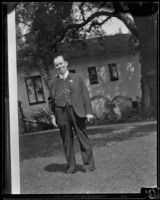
(50, 23)
(44, 22)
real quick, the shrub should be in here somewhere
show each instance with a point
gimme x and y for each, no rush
(42, 119)
(40, 122)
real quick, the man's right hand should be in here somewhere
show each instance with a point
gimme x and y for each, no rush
(53, 119)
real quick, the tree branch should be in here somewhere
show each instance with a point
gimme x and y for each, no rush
(96, 14)
(94, 23)
(77, 26)
(122, 9)
(122, 16)
(82, 11)
(129, 23)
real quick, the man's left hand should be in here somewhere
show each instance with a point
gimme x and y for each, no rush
(89, 117)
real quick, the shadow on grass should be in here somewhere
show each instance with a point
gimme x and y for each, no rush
(55, 167)
(130, 135)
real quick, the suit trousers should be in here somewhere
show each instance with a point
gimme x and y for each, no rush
(66, 132)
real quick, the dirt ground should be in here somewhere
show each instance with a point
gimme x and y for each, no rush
(125, 157)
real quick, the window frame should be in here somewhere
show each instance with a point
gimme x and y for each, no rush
(72, 71)
(93, 82)
(34, 89)
(110, 67)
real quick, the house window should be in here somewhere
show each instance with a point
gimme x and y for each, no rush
(93, 75)
(35, 90)
(72, 70)
(113, 72)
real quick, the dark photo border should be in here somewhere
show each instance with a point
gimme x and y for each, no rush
(144, 193)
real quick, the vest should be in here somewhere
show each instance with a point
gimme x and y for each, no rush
(62, 92)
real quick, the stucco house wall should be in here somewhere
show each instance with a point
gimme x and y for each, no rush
(28, 109)
(128, 71)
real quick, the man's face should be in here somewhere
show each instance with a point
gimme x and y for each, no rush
(60, 64)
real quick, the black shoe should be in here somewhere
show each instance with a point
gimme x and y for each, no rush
(88, 168)
(71, 171)
(83, 170)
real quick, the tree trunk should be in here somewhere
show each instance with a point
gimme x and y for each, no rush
(45, 73)
(147, 30)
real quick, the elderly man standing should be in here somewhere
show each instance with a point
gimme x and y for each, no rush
(70, 108)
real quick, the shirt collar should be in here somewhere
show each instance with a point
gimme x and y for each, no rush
(64, 76)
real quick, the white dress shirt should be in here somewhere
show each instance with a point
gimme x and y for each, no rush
(64, 76)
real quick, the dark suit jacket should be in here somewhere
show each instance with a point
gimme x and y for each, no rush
(79, 94)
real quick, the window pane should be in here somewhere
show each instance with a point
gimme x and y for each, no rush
(30, 90)
(113, 72)
(38, 88)
(72, 70)
(92, 75)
